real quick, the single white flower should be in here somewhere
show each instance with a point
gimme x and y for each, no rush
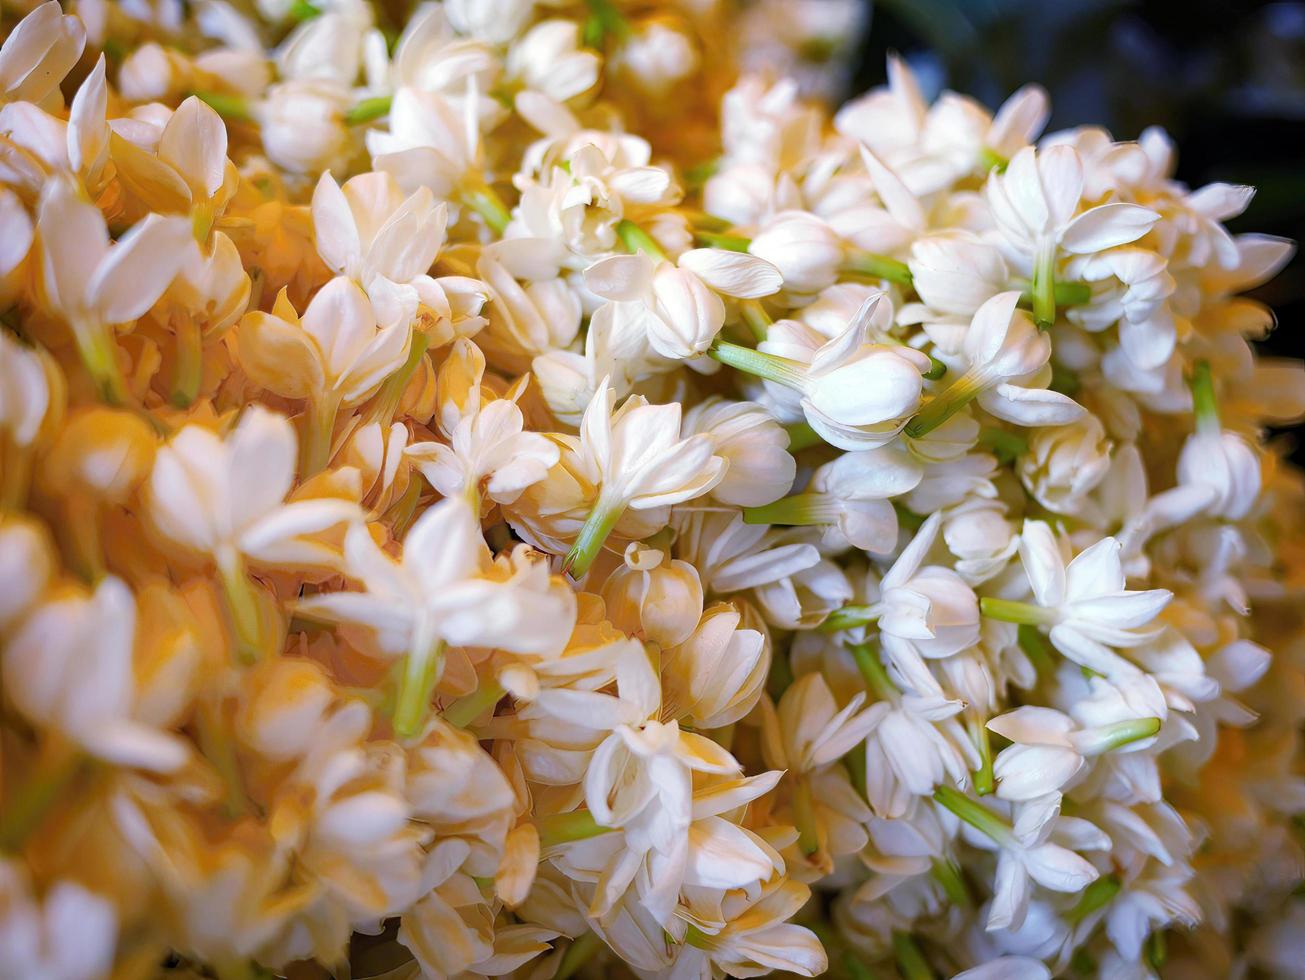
(637, 459)
(1085, 601)
(488, 450)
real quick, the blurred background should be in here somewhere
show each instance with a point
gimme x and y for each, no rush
(1226, 78)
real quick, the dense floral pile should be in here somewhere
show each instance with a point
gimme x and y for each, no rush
(494, 489)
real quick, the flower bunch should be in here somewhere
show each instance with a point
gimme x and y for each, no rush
(490, 489)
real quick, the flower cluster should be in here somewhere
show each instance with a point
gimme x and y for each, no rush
(492, 489)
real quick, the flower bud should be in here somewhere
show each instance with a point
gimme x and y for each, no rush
(1225, 464)
(302, 125)
(715, 676)
(761, 469)
(654, 597)
(1064, 463)
(806, 251)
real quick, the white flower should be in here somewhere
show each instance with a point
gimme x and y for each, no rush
(810, 731)
(1050, 747)
(40, 50)
(1038, 846)
(637, 459)
(432, 142)
(1035, 205)
(850, 497)
(69, 667)
(923, 612)
(548, 59)
(496, 21)
(335, 355)
(1065, 462)
(682, 313)
(805, 250)
(1003, 348)
(225, 497)
(1226, 466)
(856, 394)
(656, 56)
(488, 448)
(69, 933)
(25, 396)
(1083, 601)
(302, 124)
(94, 285)
(761, 469)
(715, 675)
(436, 592)
(367, 231)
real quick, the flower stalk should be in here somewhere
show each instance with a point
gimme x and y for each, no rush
(636, 239)
(189, 367)
(872, 266)
(770, 367)
(422, 670)
(593, 533)
(1014, 611)
(975, 814)
(1044, 287)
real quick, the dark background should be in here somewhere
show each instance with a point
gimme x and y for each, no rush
(1226, 80)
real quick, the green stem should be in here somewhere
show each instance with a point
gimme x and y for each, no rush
(975, 814)
(580, 952)
(702, 221)
(781, 370)
(984, 782)
(873, 266)
(908, 518)
(872, 671)
(855, 968)
(242, 608)
(189, 360)
(722, 240)
(1037, 649)
(804, 815)
(56, 768)
(563, 828)
(486, 203)
(944, 405)
(802, 436)
(1107, 738)
(855, 764)
(849, 617)
(1204, 404)
(990, 160)
(635, 239)
(910, 960)
(604, 19)
(99, 353)
(319, 433)
(302, 10)
(233, 108)
(1065, 293)
(1044, 286)
(1006, 446)
(367, 110)
(1013, 611)
(799, 510)
(948, 875)
(421, 672)
(386, 403)
(597, 526)
(1095, 897)
(216, 744)
(756, 318)
(462, 712)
